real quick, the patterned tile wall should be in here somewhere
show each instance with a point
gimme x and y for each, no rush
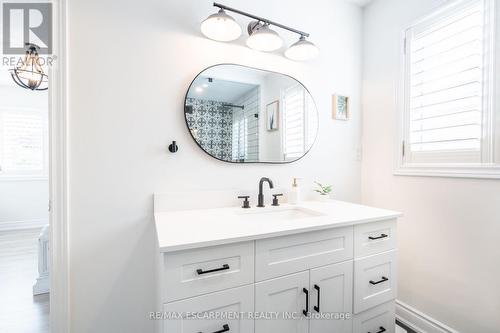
(211, 124)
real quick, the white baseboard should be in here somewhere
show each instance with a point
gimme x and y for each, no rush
(42, 285)
(419, 321)
(19, 225)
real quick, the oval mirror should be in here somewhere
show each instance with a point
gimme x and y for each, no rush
(240, 114)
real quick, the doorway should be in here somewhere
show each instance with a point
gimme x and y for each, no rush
(33, 233)
(24, 197)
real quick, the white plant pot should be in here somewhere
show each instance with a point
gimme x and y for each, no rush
(323, 198)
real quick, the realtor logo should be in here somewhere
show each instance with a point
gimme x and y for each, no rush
(24, 23)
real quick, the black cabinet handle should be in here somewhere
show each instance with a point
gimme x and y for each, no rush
(379, 237)
(223, 268)
(225, 328)
(316, 307)
(307, 301)
(381, 329)
(379, 281)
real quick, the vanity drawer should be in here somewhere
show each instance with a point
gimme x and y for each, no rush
(201, 271)
(379, 319)
(373, 238)
(279, 256)
(216, 312)
(375, 280)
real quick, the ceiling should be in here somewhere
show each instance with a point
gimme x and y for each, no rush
(218, 90)
(360, 3)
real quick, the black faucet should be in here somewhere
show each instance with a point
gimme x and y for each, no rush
(261, 195)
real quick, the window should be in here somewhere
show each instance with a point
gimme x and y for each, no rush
(299, 123)
(240, 130)
(245, 135)
(23, 143)
(448, 92)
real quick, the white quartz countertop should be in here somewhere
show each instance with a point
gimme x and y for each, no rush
(195, 228)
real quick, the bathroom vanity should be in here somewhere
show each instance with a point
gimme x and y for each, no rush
(314, 267)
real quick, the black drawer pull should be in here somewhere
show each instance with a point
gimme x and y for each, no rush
(316, 307)
(225, 328)
(379, 237)
(381, 329)
(223, 268)
(379, 281)
(307, 301)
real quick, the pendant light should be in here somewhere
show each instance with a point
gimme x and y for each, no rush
(30, 74)
(302, 50)
(221, 27)
(262, 38)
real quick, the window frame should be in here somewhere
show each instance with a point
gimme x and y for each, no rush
(30, 175)
(445, 166)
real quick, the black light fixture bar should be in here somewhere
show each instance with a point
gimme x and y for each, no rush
(261, 19)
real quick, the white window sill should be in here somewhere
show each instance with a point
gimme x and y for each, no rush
(22, 178)
(455, 171)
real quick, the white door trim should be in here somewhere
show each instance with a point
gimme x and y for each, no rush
(58, 180)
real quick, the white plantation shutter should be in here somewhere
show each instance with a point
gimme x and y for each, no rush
(300, 122)
(23, 142)
(240, 128)
(293, 122)
(312, 121)
(444, 86)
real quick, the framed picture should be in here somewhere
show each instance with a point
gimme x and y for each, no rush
(340, 107)
(272, 115)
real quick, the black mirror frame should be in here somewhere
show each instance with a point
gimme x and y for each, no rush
(259, 162)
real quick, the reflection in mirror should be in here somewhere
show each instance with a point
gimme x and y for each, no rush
(240, 114)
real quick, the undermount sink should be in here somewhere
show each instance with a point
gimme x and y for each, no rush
(276, 214)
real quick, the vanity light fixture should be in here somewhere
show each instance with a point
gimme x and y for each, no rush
(30, 74)
(222, 27)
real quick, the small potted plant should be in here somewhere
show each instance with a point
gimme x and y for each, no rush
(324, 191)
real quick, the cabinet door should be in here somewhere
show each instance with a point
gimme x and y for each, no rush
(332, 286)
(373, 238)
(201, 271)
(284, 255)
(375, 280)
(378, 319)
(285, 298)
(216, 312)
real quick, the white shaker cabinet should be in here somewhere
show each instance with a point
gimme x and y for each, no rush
(317, 301)
(324, 277)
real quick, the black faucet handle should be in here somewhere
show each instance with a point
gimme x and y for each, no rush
(275, 199)
(246, 203)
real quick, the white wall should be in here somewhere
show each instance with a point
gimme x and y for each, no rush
(130, 65)
(448, 239)
(23, 201)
